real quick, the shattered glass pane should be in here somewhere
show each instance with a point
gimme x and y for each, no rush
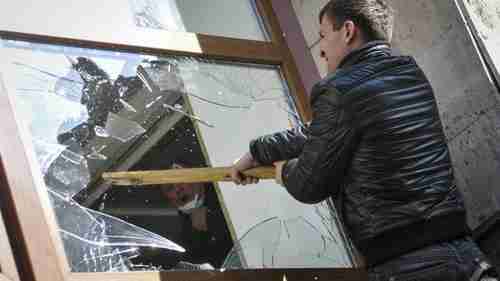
(96, 153)
(101, 132)
(286, 243)
(46, 153)
(122, 129)
(100, 243)
(69, 172)
(260, 242)
(94, 111)
(127, 106)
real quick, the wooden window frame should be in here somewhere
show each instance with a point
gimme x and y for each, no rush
(38, 247)
(8, 269)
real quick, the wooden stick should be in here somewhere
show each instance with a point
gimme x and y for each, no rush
(194, 175)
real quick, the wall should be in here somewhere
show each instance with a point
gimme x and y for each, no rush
(307, 12)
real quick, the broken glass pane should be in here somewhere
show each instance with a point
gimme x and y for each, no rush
(96, 153)
(100, 243)
(46, 153)
(287, 243)
(94, 111)
(122, 129)
(69, 172)
(260, 242)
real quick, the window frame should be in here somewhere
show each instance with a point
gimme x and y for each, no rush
(8, 269)
(491, 68)
(32, 221)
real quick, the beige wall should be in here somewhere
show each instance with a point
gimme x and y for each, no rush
(434, 32)
(307, 12)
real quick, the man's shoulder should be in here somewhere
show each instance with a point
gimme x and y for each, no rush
(349, 78)
(346, 80)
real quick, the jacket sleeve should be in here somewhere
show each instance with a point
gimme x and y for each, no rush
(320, 169)
(279, 146)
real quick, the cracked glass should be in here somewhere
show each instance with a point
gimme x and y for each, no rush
(92, 111)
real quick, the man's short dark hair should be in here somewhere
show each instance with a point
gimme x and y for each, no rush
(375, 18)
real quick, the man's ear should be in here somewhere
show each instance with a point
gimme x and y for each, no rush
(350, 31)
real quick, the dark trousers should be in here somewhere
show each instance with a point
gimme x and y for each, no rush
(459, 259)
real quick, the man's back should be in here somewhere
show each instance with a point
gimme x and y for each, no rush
(400, 179)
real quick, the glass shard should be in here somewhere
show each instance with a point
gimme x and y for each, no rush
(122, 129)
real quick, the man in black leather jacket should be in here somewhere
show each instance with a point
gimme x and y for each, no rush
(376, 147)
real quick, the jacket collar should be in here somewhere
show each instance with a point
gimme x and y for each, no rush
(373, 49)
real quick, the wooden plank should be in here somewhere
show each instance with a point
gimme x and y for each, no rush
(7, 262)
(207, 46)
(193, 175)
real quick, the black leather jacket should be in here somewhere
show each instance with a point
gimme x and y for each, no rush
(376, 146)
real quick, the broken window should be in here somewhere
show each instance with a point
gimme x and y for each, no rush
(91, 111)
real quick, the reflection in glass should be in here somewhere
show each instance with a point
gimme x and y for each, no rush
(147, 15)
(146, 23)
(93, 111)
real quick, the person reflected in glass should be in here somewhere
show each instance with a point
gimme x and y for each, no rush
(206, 235)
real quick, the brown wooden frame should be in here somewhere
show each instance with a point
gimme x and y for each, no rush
(38, 247)
(8, 269)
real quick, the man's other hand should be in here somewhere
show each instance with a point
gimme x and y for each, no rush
(243, 163)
